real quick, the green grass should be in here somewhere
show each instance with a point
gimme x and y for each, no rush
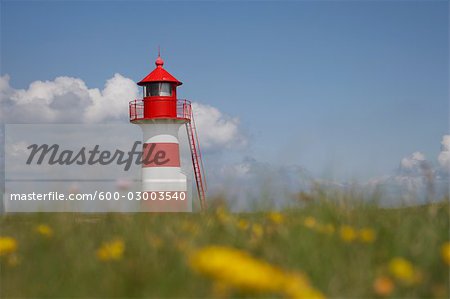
(155, 260)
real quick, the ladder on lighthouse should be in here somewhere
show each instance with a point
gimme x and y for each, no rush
(197, 162)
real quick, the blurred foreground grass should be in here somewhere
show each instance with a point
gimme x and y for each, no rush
(324, 249)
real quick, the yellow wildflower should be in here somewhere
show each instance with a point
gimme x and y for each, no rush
(347, 233)
(297, 286)
(309, 222)
(257, 230)
(111, 250)
(403, 270)
(243, 224)
(276, 217)
(237, 269)
(367, 235)
(7, 245)
(44, 230)
(383, 286)
(445, 252)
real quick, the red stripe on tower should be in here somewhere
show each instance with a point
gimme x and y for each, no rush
(161, 155)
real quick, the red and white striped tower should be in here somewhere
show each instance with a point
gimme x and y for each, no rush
(160, 115)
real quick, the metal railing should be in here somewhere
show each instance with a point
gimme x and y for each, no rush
(136, 109)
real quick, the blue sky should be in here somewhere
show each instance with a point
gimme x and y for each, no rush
(341, 88)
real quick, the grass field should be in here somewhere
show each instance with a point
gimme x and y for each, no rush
(323, 249)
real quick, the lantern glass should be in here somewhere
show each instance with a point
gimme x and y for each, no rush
(162, 89)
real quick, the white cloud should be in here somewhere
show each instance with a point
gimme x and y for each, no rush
(216, 129)
(69, 100)
(66, 100)
(113, 100)
(444, 155)
(417, 179)
(413, 162)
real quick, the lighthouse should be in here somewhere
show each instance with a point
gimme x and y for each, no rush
(160, 115)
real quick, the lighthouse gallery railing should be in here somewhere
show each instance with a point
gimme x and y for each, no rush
(136, 109)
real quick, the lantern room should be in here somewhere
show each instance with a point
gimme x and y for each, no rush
(159, 89)
(159, 83)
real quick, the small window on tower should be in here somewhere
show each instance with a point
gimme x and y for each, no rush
(158, 89)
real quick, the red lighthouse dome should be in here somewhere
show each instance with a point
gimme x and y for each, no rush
(159, 89)
(159, 74)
